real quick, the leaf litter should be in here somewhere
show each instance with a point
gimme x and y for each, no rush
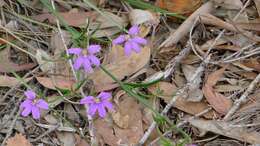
(233, 65)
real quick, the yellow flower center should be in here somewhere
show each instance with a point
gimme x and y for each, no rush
(97, 100)
(127, 37)
(85, 52)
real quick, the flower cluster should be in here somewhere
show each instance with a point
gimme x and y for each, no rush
(86, 58)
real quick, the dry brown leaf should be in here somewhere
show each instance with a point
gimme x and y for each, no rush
(80, 141)
(224, 128)
(218, 101)
(113, 135)
(168, 91)
(52, 84)
(120, 66)
(71, 18)
(6, 81)
(6, 65)
(18, 140)
(215, 76)
(179, 6)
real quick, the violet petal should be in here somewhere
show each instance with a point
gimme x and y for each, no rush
(108, 105)
(92, 109)
(101, 111)
(76, 51)
(136, 47)
(78, 62)
(30, 94)
(26, 111)
(87, 100)
(42, 104)
(92, 49)
(104, 95)
(94, 60)
(119, 40)
(35, 112)
(134, 30)
(139, 40)
(87, 65)
(128, 48)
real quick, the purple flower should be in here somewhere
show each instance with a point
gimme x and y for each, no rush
(131, 41)
(32, 105)
(85, 57)
(99, 103)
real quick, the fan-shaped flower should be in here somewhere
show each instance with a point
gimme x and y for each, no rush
(32, 105)
(85, 57)
(99, 103)
(131, 41)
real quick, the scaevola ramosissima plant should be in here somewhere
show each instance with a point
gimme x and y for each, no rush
(86, 58)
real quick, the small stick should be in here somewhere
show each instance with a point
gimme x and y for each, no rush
(243, 98)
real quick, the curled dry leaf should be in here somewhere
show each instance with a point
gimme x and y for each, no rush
(167, 90)
(56, 83)
(218, 101)
(113, 135)
(120, 66)
(18, 140)
(6, 81)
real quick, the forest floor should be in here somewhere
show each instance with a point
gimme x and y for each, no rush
(129, 72)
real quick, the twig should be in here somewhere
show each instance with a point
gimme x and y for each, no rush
(242, 98)
(90, 120)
